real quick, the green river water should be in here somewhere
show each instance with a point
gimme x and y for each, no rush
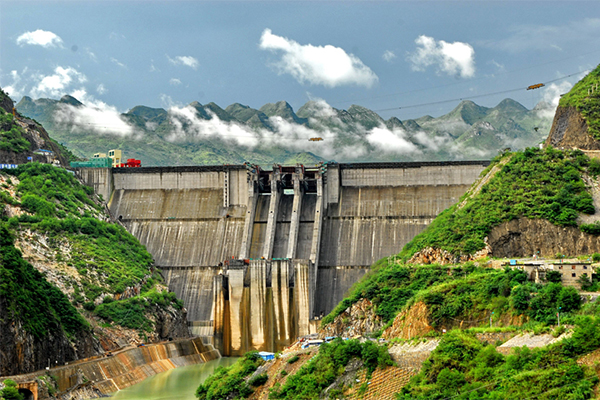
(176, 384)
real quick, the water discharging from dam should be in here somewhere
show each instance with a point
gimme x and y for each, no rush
(258, 256)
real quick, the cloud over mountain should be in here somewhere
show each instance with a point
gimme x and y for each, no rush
(91, 116)
(456, 58)
(56, 84)
(328, 65)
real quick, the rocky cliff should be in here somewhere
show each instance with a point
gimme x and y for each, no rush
(570, 130)
(34, 135)
(524, 237)
(21, 351)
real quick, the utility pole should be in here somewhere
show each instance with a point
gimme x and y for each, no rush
(558, 315)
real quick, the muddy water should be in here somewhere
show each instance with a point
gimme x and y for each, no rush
(175, 384)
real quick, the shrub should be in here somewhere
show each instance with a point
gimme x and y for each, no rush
(553, 276)
(258, 380)
(534, 183)
(592, 229)
(293, 359)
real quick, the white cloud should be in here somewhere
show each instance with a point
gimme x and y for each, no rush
(391, 141)
(40, 38)
(318, 65)
(187, 61)
(57, 84)
(101, 89)
(152, 67)
(188, 126)
(451, 58)
(14, 89)
(174, 81)
(94, 116)
(91, 54)
(553, 91)
(388, 55)
(119, 63)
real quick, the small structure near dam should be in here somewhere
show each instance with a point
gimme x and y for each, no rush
(259, 256)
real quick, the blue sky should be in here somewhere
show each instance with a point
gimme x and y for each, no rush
(380, 55)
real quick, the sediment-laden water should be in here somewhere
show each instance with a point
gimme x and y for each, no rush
(176, 384)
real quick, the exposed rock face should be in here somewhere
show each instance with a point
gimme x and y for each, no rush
(21, 352)
(410, 323)
(430, 255)
(170, 323)
(524, 237)
(569, 130)
(357, 320)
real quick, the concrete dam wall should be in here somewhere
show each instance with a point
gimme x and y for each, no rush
(258, 256)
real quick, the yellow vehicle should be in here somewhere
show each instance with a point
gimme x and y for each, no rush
(536, 86)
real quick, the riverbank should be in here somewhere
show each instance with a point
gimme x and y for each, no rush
(98, 377)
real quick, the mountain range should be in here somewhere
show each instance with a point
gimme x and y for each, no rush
(201, 134)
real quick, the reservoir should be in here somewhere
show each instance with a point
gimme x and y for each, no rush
(176, 384)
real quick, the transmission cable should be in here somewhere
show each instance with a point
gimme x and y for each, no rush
(472, 97)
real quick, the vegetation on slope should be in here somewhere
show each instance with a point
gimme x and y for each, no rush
(41, 306)
(533, 183)
(462, 368)
(106, 258)
(308, 383)
(465, 292)
(330, 363)
(587, 103)
(11, 135)
(229, 382)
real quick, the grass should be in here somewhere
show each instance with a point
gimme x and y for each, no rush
(65, 215)
(545, 184)
(588, 104)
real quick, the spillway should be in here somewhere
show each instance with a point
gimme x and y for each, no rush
(259, 256)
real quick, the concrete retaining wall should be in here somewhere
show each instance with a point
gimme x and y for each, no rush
(125, 368)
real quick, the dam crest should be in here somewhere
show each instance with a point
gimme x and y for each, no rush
(257, 256)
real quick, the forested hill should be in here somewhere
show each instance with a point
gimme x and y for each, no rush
(72, 283)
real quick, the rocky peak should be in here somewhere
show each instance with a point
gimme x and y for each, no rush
(6, 102)
(70, 100)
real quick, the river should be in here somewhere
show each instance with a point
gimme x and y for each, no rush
(176, 384)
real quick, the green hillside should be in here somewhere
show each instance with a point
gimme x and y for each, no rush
(585, 96)
(102, 258)
(534, 183)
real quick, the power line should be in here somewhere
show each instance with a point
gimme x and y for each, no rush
(462, 82)
(472, 97)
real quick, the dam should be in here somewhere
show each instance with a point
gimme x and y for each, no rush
(259, 256)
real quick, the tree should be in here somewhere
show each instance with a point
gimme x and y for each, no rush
(584, 281)
(10, 391)
(520, 298)
(553, 276)
(569, 299)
